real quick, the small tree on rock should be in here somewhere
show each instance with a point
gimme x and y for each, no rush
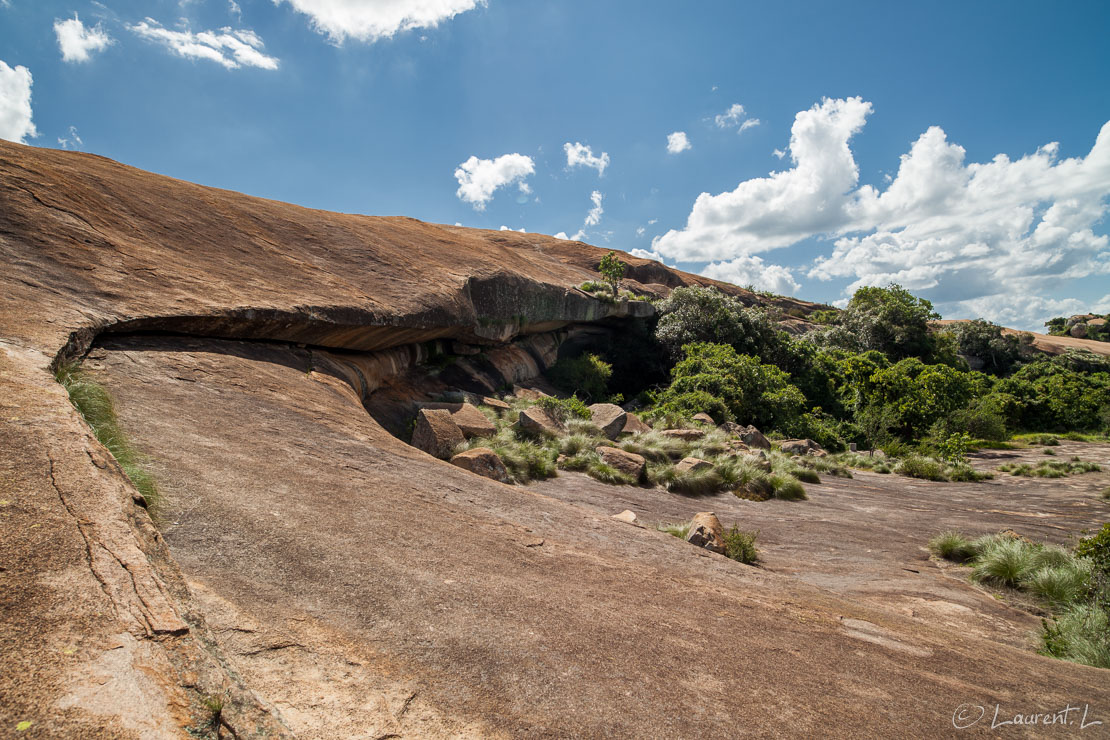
(612, 270)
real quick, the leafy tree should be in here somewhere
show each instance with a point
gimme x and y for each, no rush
(921, 394)
(752, 393)
(612, 271)
(890, 320)
(985, 341)
(697, 314)
(586, 374)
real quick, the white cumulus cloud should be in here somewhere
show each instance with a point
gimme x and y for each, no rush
(15, 104)
(228, 47)
(677, 142)
(72, 141)
(751, 270)
(371, 20)
(77, 42)
(593, 218)
(479, 178)
(735, 117)
(784, 207)
(580, 155)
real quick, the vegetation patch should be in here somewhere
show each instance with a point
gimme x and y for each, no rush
(1051, 468)
(1074, 586)
(95, 405)
(740, 545)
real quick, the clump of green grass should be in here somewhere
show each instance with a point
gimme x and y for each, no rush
(96, 406)
(964, 472)
(1051, 468)
(1080, 633)
(696, 482)
(787, 488)
(1105, 494)
(740, 545)
(608, 474)
(1005, 562)
(1038, 440)
(916, 466)
(1060, 584)
(952, 545)
(654, 446)
(525, 459)
(573, 444)
(1048, 451)
(679, 529)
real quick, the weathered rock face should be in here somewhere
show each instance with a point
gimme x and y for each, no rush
(704, 418)
(436, 433)
(706, 531)
(485, 462)
(628, 463)
(692, 465)
(609, 418)
(289, 561)
(537, 421)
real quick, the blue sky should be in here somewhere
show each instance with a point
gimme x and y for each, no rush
(948, 146)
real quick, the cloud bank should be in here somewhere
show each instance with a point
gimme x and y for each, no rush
(987, 238)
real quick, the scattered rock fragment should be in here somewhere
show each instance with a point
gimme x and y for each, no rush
(686, 435)
(628, 463)
(538, 421)
(483, 461)
(706, 531)
(609, 418)
(802, 447)
(634, 425)
(692, 465)
(436, 433)
(528, 394)
(704, 418)
(626, 516)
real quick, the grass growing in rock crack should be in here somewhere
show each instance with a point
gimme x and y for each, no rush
(95, 405)
(952, 545)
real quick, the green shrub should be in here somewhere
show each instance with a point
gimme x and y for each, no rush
(586, 374)
(952, 545)
(612, 270)
(95, 405)
(1105, 494)
(965, 473)
(1097, 549)
(564, 408)
(740, 545)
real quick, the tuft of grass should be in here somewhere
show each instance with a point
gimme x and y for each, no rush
(1060, 584)
(679, 530)
(653, 446)
(1081, 634)
(696, 482)
(916, 466)
(573, 444)
(214, 704)
(96, 406)
(608, 474)
(787, 488)
(1004, 562)
(952, 545)
(1105, 495)
(964, 472)
(525, 459)
(1048, 451)
(740, 545)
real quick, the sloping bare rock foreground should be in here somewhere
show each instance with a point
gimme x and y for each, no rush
(320, 578)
